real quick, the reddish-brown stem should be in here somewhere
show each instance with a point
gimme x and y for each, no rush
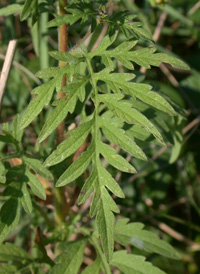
(62, 47)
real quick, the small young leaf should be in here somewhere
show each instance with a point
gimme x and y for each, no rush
(130, 264)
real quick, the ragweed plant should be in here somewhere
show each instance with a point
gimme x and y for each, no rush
(108, 106)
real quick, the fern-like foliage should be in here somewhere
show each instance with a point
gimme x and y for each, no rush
(114, 119)
(118, 99)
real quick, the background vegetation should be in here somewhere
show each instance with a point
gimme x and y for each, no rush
(165, 194)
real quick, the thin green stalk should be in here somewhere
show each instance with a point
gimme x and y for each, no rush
(14, 155)
(96, 103)
(97, 246)
(44, 56)
(60, 200)
(43, 214)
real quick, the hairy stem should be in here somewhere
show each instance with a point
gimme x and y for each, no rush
(60, 200)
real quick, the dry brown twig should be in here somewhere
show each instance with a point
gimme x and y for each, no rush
(176, 84)
(23, 69)
(163, 67)
(7, 67)
(176, 235)
(194, 8)
(157, 32)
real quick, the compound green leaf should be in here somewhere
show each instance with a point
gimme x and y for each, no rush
(102, 204)
(12, 252)
(131, 264)
(134, 234)
(9, 217)
(141, 91)
(43, 97)
(147, 57)
(74, 139)
(70, 261)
